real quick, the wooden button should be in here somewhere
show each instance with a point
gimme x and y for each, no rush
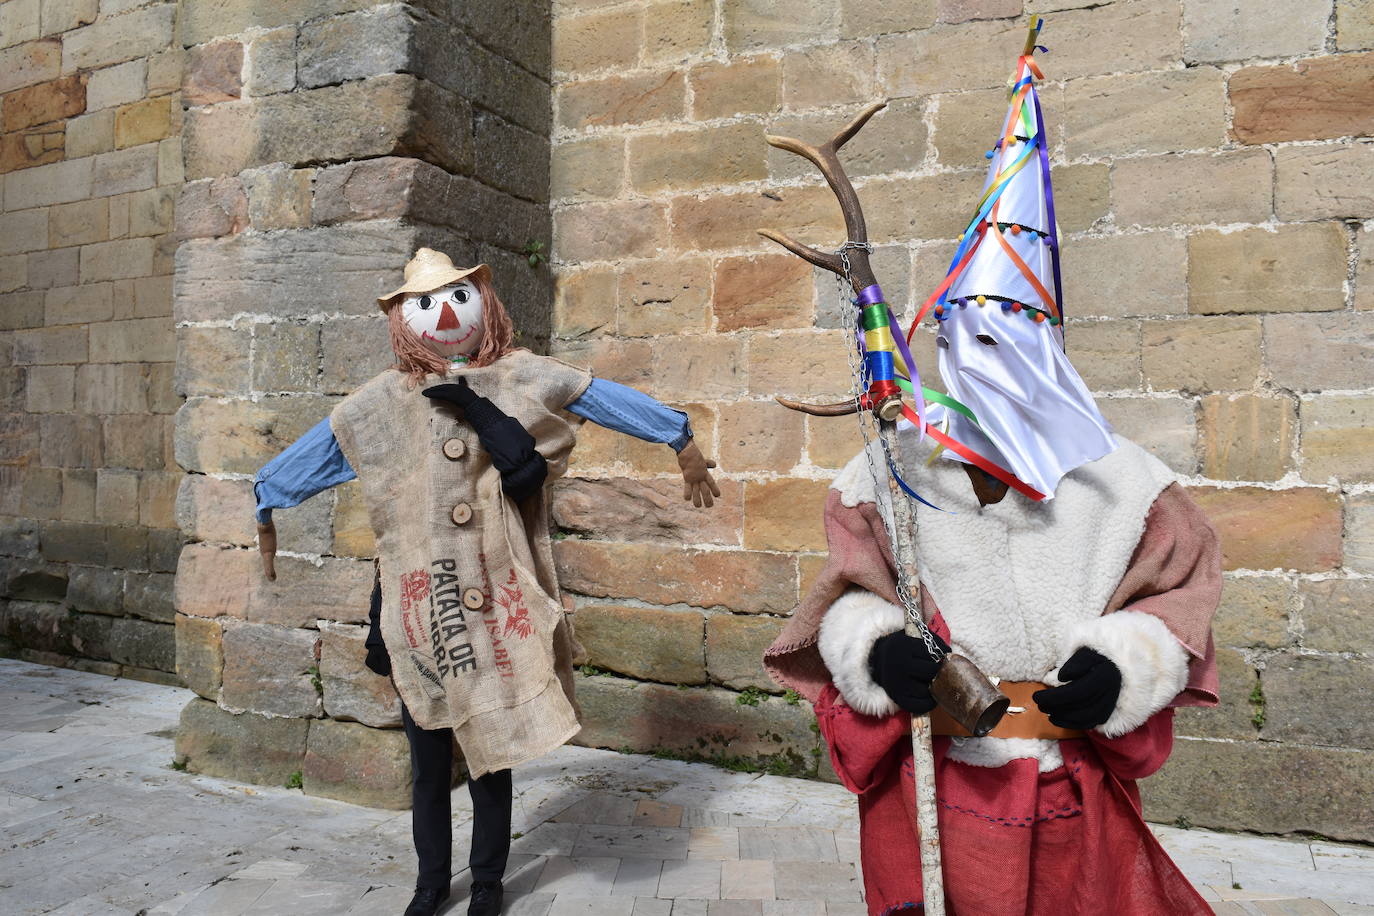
(462, 514)
(473, 599)
(454, 448)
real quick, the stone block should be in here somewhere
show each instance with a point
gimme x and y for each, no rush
(78, 496)
(946, 215)
(734, 650)
(218, 511)
(1247, 437)
(863, 18)
(265, 750)
(271, 62)
(732, 220)
(143, 644)
(351, 691)
(1233, 718)
(354, 350)
(269, 669)
(32, 146)
(41, 494)
(724, 89)
(602, 232)
(357, 764)
(39, 626)
(1334, 615)
(113, 86)
(1144, 113)
(121, 171)
(774, 363)
(1308, 700)
(1359, 540)
(116, 39)
(784, 514)
(70, 441)
(943, 53)
(214, 73)
(279, 197)
(598, 40)
(1354, 25)
(677, 30)
(645, 643)
(1290, 269)
(1314, 352)
(510, 158)
(354, 46)
(116, 496)
(348, 266)
(212, 361)
(708, 723)
(965, 124)
(660, 296)
(95, 590)
(14, 272)
(91, 636)
(1287, 788)
(127, 548)
(25, 230)
(50, 389)
(241, 436)
(1338, 438)
(200, 655)
(620, 100)
(65, 15)
(145, 340)
(1297, 529)
(1230, 187)
(772, 24)
(745, 581)
(1312, 99)
(29, 63)
(587, 169)
(1254, 613)
(286, 357)
(229, 583)
(1165, 427)
(148, 596)
(144, 122)
(80, 223)
(828, 75)
(830, 443)
(54, 183)
(1106, 353)
(1219, 30)
(54, 100)
(1201, 354)
(139, 442)
(759, 436)
(1327, 181)
(18, 537)
(763, 291)
(121, 388)
(625, 509)
(90, 134)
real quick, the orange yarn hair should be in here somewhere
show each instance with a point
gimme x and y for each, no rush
(417, 360)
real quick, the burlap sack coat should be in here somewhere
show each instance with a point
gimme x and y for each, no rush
(471, 612)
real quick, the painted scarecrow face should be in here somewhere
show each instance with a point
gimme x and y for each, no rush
(447, 320)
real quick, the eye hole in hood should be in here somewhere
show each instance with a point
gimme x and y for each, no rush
(942, 342)
(987, 340)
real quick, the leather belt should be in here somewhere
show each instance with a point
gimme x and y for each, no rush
(1031, 722)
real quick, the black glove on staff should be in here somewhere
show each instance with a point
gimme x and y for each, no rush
(904, 667)
(377, 661)
(510, 445)
(1088, 697)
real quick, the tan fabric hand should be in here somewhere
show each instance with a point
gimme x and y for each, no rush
(267, 546)
(697, 483)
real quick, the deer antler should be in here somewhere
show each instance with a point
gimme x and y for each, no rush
(861, 276)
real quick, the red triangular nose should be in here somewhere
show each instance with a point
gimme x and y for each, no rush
(447, 320)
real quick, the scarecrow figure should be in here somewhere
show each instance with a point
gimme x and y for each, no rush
(453, 447)
(1086, 595)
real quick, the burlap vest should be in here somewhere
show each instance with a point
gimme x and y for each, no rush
(470, 608)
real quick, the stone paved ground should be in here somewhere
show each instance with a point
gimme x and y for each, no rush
(95, 820)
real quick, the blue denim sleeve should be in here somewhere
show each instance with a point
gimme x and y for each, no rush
(312, 463)
(632, 412)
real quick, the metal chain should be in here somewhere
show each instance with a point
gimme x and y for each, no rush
(847, 305)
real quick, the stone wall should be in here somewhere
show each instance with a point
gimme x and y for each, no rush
(325, 140)
(1213, 178)
(90, 158)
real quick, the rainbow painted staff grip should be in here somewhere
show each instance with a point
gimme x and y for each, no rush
(880, 349)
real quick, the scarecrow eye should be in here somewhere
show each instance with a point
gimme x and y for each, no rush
(986, 341)
(461, 295)
(941, 342)
(426, 302)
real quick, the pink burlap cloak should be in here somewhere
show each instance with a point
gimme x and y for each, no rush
(1016, 841)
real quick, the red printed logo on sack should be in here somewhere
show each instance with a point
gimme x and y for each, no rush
(414, 589)
(512, 600)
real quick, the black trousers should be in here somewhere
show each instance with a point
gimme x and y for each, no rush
(431, 765)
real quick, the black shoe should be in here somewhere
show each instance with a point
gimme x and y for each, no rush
(426, 901)
(486, 898)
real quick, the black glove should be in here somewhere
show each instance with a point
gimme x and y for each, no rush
(523, 470)
(378, 662)
(1089, 696)
(904, 667)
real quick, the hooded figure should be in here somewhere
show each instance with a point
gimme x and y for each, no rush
(1090, 599)
(452, 447)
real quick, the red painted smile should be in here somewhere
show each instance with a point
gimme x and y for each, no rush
(428, 336)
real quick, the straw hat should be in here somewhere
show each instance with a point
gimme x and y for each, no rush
(430, 270)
